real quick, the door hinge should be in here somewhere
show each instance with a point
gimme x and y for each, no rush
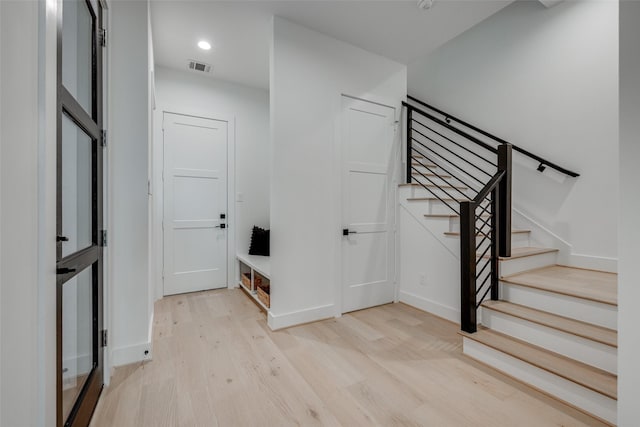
(103, 37)
(103, 238)
(104, 338)
(103, 137)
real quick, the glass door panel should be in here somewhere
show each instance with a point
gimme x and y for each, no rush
(77, 191)
(77, 51)
(77, 336)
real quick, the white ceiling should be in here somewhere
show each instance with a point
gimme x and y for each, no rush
(240, 30)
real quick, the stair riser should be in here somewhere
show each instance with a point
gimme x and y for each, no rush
(436, 207)
(432, 207)
(517, 265)
(434, 180)
(581, 397)
(563, 305)
(418, 191)
(518, 240)
(584, 350)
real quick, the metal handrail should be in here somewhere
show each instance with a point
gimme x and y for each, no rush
(448, 117)
(451, 128)
(489, 186)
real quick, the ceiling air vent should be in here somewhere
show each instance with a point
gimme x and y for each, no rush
(199, 66)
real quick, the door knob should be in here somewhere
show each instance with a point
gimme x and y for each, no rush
(62, 239)
(346, 232)
(221, 226)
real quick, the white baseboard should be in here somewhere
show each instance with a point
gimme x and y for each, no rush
(131, 354)
(149, 356)
(313, 314)
(593, 262)
(430, 306)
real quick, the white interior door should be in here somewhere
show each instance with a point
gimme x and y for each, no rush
(195, 203)
(367, 242)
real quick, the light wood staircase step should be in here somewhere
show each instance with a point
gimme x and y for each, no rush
(591, 285)
(587, 376)
(571, 326)
(457, 233)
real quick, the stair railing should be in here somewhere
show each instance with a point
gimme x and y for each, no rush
(469, 165)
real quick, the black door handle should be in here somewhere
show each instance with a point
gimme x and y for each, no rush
(346, 232)
(62, 239)
(221, 226)
(65, 270)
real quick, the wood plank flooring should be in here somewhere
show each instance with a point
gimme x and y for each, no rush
(216, 363)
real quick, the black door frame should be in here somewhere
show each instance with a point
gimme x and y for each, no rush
(91, 122)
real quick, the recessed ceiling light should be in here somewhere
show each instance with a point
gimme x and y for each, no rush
(425, 4)
(204, 45)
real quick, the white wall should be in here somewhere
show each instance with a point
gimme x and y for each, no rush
(19, 227)
(129, 138)
(544, 79)
(27, 224)
(2, 54)
(189, 92)
(309, 72)
(47, 220)
(629, 235)
(429, 262)
(151, 297)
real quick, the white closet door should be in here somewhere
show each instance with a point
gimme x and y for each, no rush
(195, 203)
(367, 248)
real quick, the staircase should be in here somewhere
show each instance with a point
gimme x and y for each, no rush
(552, 327)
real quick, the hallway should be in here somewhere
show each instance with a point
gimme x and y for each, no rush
(217, 364)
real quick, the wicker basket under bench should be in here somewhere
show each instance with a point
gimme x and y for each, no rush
(254, 278)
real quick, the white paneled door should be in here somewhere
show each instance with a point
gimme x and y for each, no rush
(367, 243)
(195, 203)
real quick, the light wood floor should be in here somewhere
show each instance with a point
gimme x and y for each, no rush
(216, 363)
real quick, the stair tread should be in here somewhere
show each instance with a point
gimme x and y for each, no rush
(591, 285)
(575, 327)
(588, 376)
(513, 231)
(527, 251)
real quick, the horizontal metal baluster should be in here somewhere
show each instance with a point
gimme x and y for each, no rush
(448, 161)
(433, 183)
(453, 142)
